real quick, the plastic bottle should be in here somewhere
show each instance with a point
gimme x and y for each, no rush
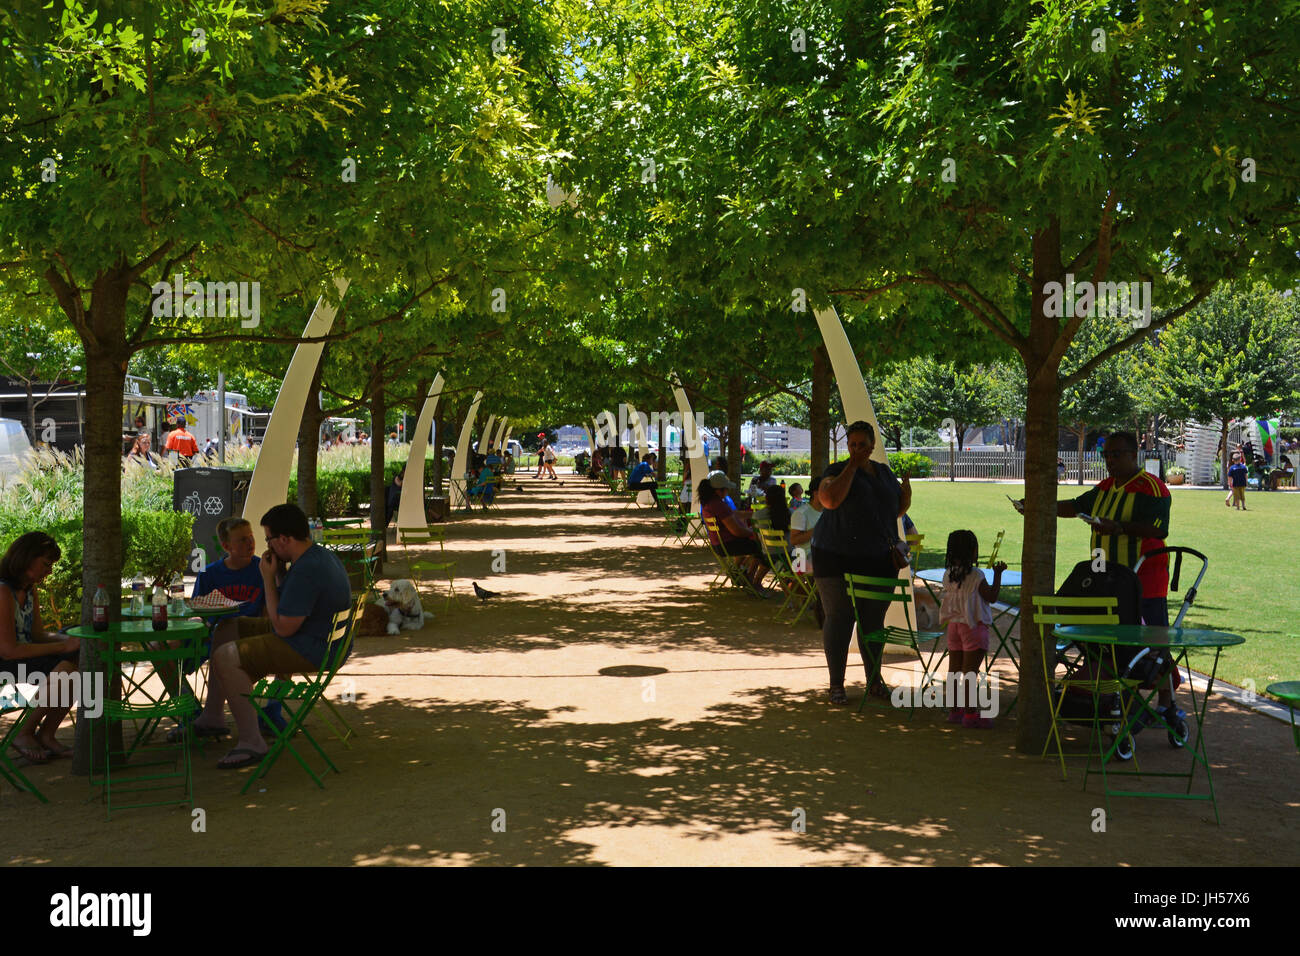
(176, 607)
(137, 595)
(159, 608)
(99, 609)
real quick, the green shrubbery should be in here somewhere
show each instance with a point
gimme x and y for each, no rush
(910, 464)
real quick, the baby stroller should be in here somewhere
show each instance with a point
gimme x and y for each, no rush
(1127, 669)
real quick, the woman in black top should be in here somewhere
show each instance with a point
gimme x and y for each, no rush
(861, 501)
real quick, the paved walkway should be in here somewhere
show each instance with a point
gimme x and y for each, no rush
(492, 736)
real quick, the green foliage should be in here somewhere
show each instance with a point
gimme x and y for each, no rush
(155, 543)
(910, 464)
(1232, 356)
(922, 391)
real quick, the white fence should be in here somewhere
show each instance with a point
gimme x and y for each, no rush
(993, 464)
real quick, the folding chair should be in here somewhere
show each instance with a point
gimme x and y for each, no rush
(671, 511)
(344, 730)
(860, 587)
(795, 585)
(299, 698)
(121, 776)
(361, 538)
(1050, 612)
(440, 568)
(14, 701)
(729, 569)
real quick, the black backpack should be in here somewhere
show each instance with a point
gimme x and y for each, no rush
(1116, 581)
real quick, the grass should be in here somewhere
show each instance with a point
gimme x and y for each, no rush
(1249, 589)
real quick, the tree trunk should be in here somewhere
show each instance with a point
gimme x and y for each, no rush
(378, 413)
(661, 460)
(1082, 434)
(1038, 557)
(735, 406)
(309, 445)
(819, 411)
(106, 363)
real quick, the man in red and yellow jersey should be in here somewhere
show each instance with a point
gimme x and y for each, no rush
(1132, 508)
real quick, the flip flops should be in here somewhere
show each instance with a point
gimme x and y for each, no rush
(245, 758)
(31, 754)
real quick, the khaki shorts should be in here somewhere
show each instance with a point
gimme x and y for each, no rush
(266, 654)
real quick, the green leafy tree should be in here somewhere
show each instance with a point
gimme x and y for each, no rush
(1102, 397)
(924, 392)
(1234, 355)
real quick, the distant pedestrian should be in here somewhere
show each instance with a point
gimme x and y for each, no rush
(1237, 474)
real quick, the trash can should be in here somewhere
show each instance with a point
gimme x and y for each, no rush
(209, 494)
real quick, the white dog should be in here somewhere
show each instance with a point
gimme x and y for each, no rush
(402, 602)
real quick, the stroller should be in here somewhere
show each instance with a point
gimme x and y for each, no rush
(1128, 667)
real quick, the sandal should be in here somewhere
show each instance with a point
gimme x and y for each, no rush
(838, 697)
(31, 754)
(240, 757)
(880, 690)
(177, 734)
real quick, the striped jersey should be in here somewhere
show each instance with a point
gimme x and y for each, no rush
(1143, 499)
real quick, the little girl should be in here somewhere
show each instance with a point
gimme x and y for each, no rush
(965, 610)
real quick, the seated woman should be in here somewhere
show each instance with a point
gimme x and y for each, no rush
(778, 512)
(735, 537)
(483, 488)
(24, 641)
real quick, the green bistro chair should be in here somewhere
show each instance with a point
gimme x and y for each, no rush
(13, 701)
(800, 590)
(729, 570)
(299, 698)
(861, 587)
(671, 511)
(1050, 612)
(139, 769)
(342, 730)
(438, 567)
(358, 549)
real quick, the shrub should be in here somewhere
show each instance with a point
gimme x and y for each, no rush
(1175, 470)
(910, 464)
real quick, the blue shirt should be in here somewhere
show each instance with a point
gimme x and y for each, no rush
(866, 522)
(1237, 475)
(242, 585)
(640, 473)
(316, 588)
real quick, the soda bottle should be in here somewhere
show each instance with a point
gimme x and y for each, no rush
(99, 609)
(159, 608)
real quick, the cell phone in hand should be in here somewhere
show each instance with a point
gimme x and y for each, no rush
(1089, 518)
(1018, 505)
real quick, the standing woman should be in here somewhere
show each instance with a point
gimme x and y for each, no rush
(23, 640)
(861, 501)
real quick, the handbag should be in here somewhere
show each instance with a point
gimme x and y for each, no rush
(899, 553)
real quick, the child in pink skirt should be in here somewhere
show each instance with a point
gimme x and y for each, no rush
(966, 612)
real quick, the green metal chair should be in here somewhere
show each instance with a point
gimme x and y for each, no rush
(136, 768)
(1053, 611)
(439, 568)
(343, 730)
(729, 571)
(299, 699)
(13, 701)
(861, 587)
(367, 543)
(800, 590)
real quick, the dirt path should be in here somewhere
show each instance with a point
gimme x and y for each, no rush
(498, 713)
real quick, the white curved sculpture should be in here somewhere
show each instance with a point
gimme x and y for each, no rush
(690, 440)
(485, 439)
(270, 482)
(410, 508)
(459, 499)
(638, 429)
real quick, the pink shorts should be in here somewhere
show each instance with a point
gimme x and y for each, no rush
(963, 637)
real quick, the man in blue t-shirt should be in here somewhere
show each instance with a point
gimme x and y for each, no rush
(304, 586)
(642, 477)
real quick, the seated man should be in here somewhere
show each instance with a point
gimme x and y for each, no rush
(493, 460)
(238, 577)
(304, 586)
(482, 487)
(617, 461)
(392, 498)
(761, 482)
(642, 477)
(508, 464)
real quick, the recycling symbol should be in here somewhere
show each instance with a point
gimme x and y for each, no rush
(192, 504)
(213, 505)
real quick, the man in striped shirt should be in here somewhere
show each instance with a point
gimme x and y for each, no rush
(1132, 508)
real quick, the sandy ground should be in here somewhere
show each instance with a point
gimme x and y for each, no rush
(491, 736)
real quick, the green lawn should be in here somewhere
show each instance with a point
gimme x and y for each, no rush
(1250, 589)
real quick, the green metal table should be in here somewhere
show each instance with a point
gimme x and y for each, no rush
(1289, 691)
(1179, 641)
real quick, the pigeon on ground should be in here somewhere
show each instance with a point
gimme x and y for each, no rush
(483, 595)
